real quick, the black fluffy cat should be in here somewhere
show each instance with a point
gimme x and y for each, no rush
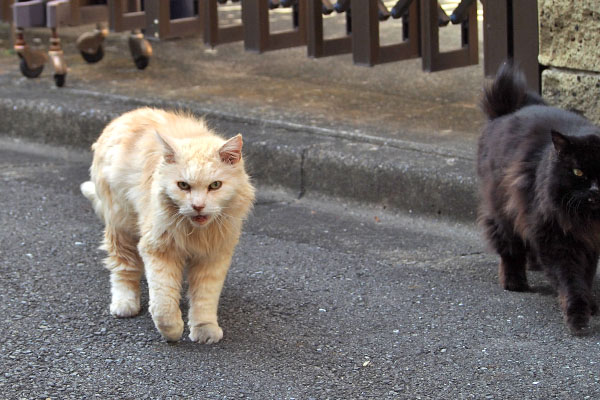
(539, 168)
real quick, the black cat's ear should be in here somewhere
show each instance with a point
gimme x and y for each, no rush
(167, 147)
(561, 142)
(231, 151)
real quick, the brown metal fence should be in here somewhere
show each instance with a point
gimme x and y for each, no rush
(504, 22)
(419, 24)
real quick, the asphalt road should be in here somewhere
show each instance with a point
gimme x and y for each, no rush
(323, 300)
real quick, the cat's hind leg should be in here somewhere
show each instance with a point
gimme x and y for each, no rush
(512, 273)
(126, 268)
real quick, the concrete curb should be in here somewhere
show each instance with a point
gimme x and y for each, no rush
(299, 158)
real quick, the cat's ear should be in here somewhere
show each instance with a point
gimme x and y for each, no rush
(560, 141)
(168, 150)
(231, 151)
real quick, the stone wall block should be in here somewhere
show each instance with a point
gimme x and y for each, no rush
(570, 34)
(573, 90)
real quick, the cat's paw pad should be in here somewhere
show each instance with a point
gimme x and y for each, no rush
(170, 328)
(125, 308)
(206, 333)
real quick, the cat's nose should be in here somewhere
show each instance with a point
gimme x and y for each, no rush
(197, 207)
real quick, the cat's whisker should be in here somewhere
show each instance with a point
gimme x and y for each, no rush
(174, 219)
(189, 230)
(177, 220)
(233, 216)
(569, 204)
(572, 205)
(579, 203)
(220, 224)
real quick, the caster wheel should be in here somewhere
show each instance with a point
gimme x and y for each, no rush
(384, 16)
(341, 6)
(141, 62)
(28, 72)
(59, 79)
(395, 13)
(94, 57)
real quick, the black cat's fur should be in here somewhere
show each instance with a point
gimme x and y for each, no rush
(539, 170)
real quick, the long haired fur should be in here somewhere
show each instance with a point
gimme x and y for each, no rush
(540, 204)
(172, 195)
(507, 93)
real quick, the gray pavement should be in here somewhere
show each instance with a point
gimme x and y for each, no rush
(323, 300)
(360, 273)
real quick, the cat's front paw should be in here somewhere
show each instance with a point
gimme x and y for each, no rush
(512, 278)
(514, 285)
(206, 333)
(124, 308)
(578, 324)
(170, 327)
(577, 316)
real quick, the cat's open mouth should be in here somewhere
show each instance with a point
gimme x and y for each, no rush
(200, 219)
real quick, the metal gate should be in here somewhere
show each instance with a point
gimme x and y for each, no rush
(421, 24)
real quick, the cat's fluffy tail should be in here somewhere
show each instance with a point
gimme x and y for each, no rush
(508, 93)
(89, 191)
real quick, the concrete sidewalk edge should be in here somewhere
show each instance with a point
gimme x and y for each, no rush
(404, 176)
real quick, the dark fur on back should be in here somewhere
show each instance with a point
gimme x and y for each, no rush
(539, 170)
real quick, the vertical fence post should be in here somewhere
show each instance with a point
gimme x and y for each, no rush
(526, 47)
(511, 32)
(433, 59)
(255, 17)
(365, 32)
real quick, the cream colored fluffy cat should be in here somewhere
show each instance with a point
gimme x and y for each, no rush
(172, 195)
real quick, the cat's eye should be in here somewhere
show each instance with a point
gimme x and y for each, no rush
(183, 185)
(577, 172)
(215, 185)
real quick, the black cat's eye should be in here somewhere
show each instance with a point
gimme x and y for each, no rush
(183, 185)
(577, 172)
(215, 185)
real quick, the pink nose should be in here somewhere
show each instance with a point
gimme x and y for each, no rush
(197, 208)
